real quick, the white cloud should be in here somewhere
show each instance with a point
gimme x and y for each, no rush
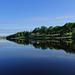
(39, 19)
(64, 17)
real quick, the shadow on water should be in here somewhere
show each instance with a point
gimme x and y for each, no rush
(67, 45)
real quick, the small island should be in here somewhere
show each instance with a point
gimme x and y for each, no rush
(66, 31)
(2, 37)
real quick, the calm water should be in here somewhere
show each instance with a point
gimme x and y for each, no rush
(36, 58)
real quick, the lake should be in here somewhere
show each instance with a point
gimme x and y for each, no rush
(37, 57)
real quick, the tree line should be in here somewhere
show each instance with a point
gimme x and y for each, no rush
(62, 30)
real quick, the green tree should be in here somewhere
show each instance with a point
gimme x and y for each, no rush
(43, 30)
(50, 29)
(36, 30)
(73, 33)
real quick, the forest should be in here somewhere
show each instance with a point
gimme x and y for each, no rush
(66, 31)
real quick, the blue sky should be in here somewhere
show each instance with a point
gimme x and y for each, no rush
(20, 15)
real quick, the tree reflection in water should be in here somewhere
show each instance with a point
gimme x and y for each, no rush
(67, 45)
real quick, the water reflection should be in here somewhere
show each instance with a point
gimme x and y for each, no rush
(67, 45)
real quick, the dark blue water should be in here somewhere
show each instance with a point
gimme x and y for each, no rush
(18, 59)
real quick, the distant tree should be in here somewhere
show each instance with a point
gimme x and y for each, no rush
(50, 29)
(43, 30)
(73, 33)
(27, 34)
(68, 27)
(36, 30)
(57, 29)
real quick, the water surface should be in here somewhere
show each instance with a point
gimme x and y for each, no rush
(37, 58)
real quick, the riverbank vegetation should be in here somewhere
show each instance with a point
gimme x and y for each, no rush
(58, 32)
